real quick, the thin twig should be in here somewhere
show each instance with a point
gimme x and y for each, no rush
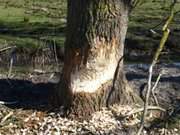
(55, 52)
(10, 67)
(146, 99)
(164, 38)
(8, 103)
(154, 87)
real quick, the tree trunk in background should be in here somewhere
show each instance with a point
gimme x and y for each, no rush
(93, 66)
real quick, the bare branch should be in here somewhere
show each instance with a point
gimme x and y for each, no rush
(164, 38)
(154, 87)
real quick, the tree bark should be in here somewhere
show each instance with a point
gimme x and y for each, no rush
(93, 74)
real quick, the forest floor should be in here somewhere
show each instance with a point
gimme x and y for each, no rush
(35, 26)
(24, 105)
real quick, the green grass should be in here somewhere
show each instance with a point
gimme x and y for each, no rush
(26, 22)
(148, 15)
(144, 18)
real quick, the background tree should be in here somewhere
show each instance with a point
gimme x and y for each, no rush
(93, 66)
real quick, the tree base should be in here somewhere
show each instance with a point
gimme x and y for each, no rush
(82, 105)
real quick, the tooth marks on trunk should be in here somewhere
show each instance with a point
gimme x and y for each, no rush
(99, 68)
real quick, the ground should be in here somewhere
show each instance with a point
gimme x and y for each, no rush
(29, 112)
(34, 26)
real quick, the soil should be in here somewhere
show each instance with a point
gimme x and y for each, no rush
(25, 110)
(168, 89)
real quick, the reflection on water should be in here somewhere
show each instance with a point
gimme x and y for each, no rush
(129, 66)
(170, 70)
(177, 64)
(146, 65)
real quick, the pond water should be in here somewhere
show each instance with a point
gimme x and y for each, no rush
(129, 66)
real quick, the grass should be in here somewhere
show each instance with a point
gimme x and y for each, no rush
(148, 15)
(25, 23)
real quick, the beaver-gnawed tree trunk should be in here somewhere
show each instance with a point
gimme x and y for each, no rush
(93, 66)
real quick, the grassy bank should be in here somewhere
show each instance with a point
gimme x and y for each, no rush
(31, 23)
(152, 16)
(27, 23)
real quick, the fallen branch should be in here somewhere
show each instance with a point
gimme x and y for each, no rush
(6, 117)
(8, 103)
(39, 71)
(142, 109)
(6, 48)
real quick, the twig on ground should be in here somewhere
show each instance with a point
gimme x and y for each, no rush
(7, 48)
(6, 117)
(39, 71)
(8, 103)
(141, 109)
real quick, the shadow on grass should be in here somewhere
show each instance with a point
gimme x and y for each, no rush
(31, 30)
(28, 95)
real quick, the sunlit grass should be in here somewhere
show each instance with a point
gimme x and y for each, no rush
(31, 20)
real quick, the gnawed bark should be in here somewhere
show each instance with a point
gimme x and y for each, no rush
(93, 66)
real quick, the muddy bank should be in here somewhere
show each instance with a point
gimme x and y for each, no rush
(168, 89)
(36, 84)
(31, 114)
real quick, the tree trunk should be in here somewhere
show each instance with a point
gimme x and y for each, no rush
(93, 66)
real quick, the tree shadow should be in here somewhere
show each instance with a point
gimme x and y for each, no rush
(31, 30)
(28, 95)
